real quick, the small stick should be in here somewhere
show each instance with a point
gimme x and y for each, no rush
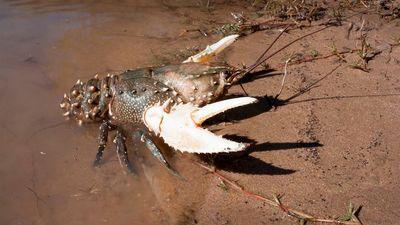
(349, 30)
(276, 202)
(310, 59)
(204, 33)
(284, 77)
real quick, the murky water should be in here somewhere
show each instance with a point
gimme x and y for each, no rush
(45, 162)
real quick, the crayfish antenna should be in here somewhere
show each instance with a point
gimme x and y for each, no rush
(236, 77)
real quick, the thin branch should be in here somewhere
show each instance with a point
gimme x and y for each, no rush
(284, 77)
(276, 201)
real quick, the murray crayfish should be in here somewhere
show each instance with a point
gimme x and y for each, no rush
(169, 101)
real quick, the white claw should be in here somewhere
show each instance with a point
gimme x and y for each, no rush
(212, 50)
(213, 109)
(180, 126)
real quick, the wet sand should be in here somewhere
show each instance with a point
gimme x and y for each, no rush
(46, 162)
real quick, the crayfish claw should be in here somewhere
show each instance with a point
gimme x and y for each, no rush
(210, 110)
(181, 128)
(212, 50)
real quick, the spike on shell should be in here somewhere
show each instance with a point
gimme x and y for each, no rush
(167, 105)
(96, 110)
(92, 88)
(75, 93)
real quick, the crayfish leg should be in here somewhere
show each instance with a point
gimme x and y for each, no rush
(105, 127)
(122, 153)
(157, 153)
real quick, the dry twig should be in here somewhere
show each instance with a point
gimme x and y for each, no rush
(348, 219)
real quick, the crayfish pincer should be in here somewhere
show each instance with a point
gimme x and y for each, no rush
(169, 101)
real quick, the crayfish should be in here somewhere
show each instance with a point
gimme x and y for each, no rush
(170, 101)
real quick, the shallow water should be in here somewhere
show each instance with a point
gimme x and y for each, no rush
(45, 162)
